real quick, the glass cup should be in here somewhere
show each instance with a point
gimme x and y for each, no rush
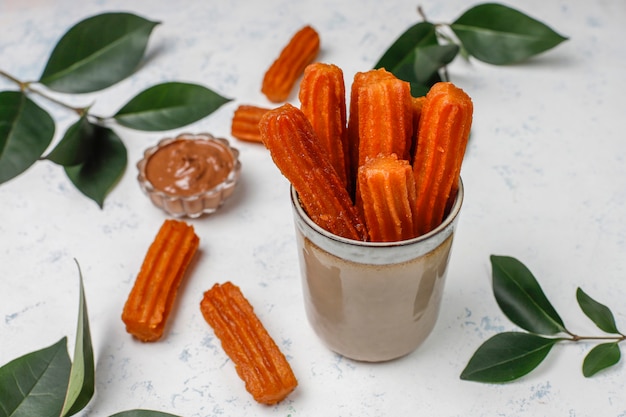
(373, 301)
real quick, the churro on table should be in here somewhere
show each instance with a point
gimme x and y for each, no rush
(282, 75)
(245, 122)
(258, 360)
(150, 301)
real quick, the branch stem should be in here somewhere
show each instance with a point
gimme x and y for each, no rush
(78, 110)
(27, 87)
(577, 338)
(420, 11)
(12, 78)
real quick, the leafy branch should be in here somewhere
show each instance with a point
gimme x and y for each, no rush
(511, 355)
(490, 32)
(95, 54)
(47, 383)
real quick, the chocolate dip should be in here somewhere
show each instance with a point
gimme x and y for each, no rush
(186, 167)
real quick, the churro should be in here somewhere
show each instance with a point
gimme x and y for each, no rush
(417, 106)
(296, 151)
(245, 122)
(385, 117)
(282, 75)
(388, 198)
(444, 129)
(323, 101)
(360, 80)
(258, 360)
(150, 301)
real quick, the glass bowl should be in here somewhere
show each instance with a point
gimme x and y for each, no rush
(189, 175)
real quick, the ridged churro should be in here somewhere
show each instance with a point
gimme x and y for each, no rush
(258, 360)
(323, 101)
(444, 130)
(385, 119)
(282, 75)
(360, 80)
(245, 122)
(150, 301)
(417, 106)
(296, 150)
(388, 198)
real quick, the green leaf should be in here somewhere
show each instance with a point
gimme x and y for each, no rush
(499, 35)
(421, 89)
(420, 34)
(507, 356)
(97, 175)
(75, 146)
(416, 57)
(169, 106)
(521, 298)
(97, 53)
(26, 130)
(82, 377)
(35, 384)
(598, 313)
(142, 413)
(601, 357)
(424, 63)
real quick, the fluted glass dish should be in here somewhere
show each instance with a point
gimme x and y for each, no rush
(195, 204)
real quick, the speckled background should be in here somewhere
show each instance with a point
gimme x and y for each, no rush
(545, 181)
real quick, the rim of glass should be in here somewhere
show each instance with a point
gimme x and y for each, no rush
(445, 224)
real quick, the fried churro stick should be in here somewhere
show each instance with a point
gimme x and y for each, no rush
(245, 123)
(296, 151)
(385, 119)
(285, 70)
(388, 198)
(150, 301)
(444, 130)
(417, 105)
(258, 360)
(360, 80)
(323, 101)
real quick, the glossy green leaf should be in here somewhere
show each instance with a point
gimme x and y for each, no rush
(424, 63)
(416, 57)
(429, 59)
(97, 53)
(598, 313)
(601, 357)
(97, 175)
(169, 106)
(507, 356)
(142, 413)
(35, 384)
(82, 376)
(421, 89)
(26, 130)
(420, 34)
(497, 34)
(75, 146)
(521, 298)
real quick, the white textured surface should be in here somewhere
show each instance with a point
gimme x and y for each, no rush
(545, 178)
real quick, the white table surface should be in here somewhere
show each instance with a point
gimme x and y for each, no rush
(545, 179)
